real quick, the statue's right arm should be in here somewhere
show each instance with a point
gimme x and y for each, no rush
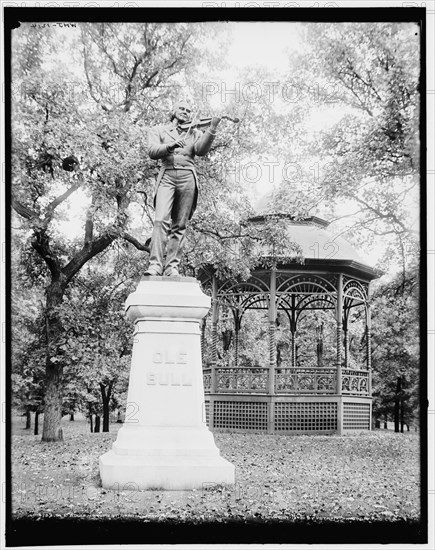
(156, 149)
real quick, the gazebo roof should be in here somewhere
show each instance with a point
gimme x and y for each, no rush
(315, 240)
(320, 247)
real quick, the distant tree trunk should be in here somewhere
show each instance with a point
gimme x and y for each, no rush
(105, 395)
(402, 416)
(97, 423)
(377, 423)
(36, 431)
(28, 419)
(407, 427)
(227, 336)
(119, 419)
(71, 417)
(397, 405)
(319, 347)
(386, 424)
(91, 417)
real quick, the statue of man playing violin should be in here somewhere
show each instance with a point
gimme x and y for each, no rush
(176, 145)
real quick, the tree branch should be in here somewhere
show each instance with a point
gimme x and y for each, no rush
(387, 216)
(88, 252)
(24, 210)
(88, 78)
(41, 243)
(58, 200)
(144, 247)
(89, 224)
(360, 103)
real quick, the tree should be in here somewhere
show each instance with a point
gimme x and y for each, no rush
(99, 354)
(106, 138)
(28, 342)
(371, 72)
(395, 349)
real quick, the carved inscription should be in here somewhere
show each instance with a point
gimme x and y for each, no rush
(169, 369)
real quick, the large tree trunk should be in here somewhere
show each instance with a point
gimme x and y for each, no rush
(52, 430)
(105, 396)
(97, 423)
(71, 417)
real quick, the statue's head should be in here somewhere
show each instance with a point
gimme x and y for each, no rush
(182, 111)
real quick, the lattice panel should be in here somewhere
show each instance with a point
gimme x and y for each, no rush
(305, 417)
(356, 416)
(240, 415)
(206, 410)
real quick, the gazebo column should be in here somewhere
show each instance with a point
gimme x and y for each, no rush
(203, 325)
(237, 325)
(369, 349)
(214, 341)
(346, 344)
(214, 335)
(293, 331)
(272, 349)
(339, 323)
(293, 342)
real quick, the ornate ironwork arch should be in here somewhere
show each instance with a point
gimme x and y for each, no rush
(353, 289)
(254, 284)
(312, 284)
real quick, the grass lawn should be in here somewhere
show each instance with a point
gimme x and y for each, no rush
(368, 476)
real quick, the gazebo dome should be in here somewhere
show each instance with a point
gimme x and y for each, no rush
(319, 245)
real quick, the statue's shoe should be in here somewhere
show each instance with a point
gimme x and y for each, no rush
(172, 272)
(153, 272)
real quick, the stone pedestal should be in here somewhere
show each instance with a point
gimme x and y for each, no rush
(164, 442)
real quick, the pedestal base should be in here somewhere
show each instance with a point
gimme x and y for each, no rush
(164, 458)
(169, 473)
(165, 443)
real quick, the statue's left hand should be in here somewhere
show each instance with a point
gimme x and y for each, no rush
(215, 121)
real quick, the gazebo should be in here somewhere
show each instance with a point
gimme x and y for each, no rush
(327, 394)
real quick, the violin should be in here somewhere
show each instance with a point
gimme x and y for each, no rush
(204, 122)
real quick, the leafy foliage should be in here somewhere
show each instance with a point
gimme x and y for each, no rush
(369, 158)
(367, 476)
(395, 347)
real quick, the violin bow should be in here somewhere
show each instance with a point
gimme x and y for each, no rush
(192, 121)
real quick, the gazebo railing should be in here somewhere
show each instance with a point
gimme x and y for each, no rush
(306, 380)
(241, 379)
(206, 374)
(299, 380)
(355, 381)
